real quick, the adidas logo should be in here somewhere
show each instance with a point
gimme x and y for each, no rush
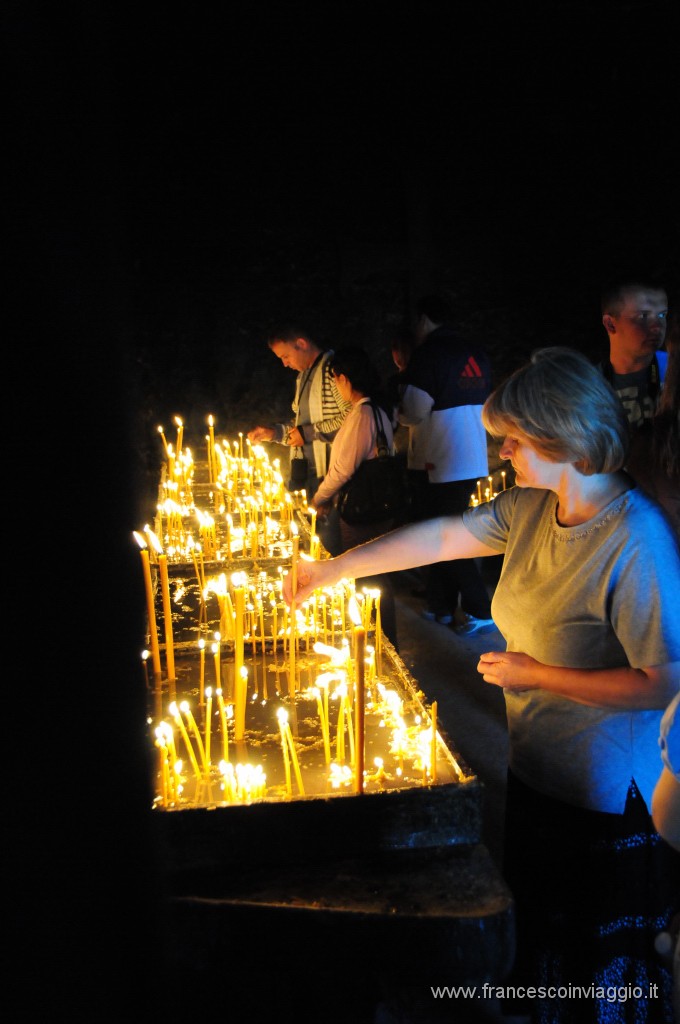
(471, 368)
(472, 377)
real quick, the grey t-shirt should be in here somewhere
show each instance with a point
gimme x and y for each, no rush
(600, 595)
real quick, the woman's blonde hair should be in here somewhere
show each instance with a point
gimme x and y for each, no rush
(561, 404)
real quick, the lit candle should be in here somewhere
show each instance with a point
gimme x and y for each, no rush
(167, 619)
(479, 491)
(216, 656)
(295, 552)
(186, 710)
(185, 736)
(293, 614)
(165, 443)
(286, 754)
(239, 612)
(145, 664)
(223, 725)
(240, 694)
(340, 732)
(228, 521)
(287, 740)
(201, 681)
(503, 477)
(211, 449)
(208, 713)
(323, 720)
(378, 624)
(151, 614)
(433, 754)
(275, 624)
(163, 769)
(360, 634)
(260, 606)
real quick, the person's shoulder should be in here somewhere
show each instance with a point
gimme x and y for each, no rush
(646, 517)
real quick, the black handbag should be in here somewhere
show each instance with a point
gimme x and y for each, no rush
(299, 471)
(377, 490)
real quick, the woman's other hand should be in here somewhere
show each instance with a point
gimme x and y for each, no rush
(511, 670)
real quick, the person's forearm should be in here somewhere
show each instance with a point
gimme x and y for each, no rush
(624, 688)
(433, 540)
(630, 688)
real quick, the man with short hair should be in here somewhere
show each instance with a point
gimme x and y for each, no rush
(634, 315)
(318, 411)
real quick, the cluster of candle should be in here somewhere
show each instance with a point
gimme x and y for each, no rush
(239, 508)
(328, 757)
(489, 493)
(238, 618)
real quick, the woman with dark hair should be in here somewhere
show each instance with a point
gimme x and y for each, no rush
(587, 601)
(358, 382)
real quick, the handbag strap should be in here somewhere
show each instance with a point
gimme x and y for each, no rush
(383, 448)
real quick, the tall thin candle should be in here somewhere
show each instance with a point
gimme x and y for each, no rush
(359, 697)
(293, 615)
(167, 620)
(186, 710)
(151, 614)
(433, 754)
(174, 711)
(201, 681)
(216, 655)
(223, 725)
(208, 725)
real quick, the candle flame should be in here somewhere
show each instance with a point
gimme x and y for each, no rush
(140, 540)
(353, 609)
(154, 539)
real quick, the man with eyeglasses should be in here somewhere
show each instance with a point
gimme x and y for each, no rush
(634, 314)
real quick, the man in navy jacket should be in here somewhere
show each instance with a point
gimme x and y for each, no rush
(448, 381)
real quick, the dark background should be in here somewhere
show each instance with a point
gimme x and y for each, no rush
(182, 177)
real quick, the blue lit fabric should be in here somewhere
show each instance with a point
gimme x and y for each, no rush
(592, 892)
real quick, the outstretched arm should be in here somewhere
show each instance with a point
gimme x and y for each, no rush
(434, 540)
